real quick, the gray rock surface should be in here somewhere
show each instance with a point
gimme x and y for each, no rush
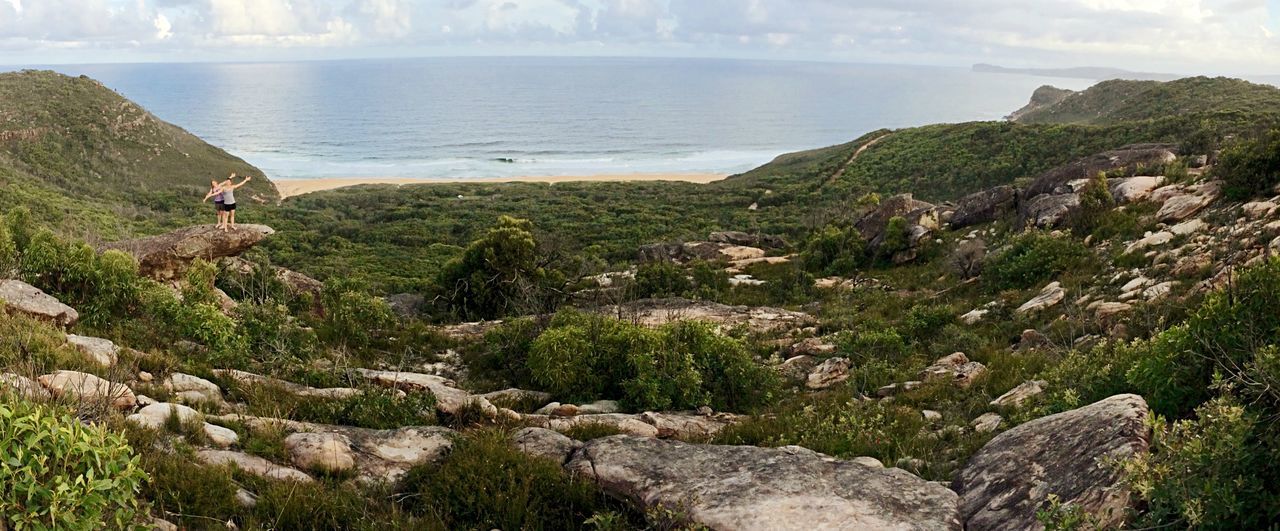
(987, 205)
(542, 442)
(750, 488)
(166, 257)
(24, 299)
(1010, 478)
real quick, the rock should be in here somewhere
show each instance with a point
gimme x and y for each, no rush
(1049, 210)
(1259, 209)
(974, 316)
(449, 399)
(748, 240)
(1157, 291)
(252, 465)
(87, 387)
(740, 253)
(23, 299)
(220, 436)
(1016, 396)
(1106, 310)
(512, 396)
(931, 415)
(155, 416)
(986, 423)
(629, 424)
(955, 368)
(1067, 455)
(658, 312)
(167, 256)
(409, 446)
(829, 373)
(600, 407)
(1185, 205)
(1190, 226)
(1135, 284)
(542, 442)
(796, 369)
(813, 346)
(1031, 339)
(246, 499)
(1050, 296)
(1131, 156)
(1151, 240)
(1134, 189)
(248, 378)
(985, 206)
(160, 524)
(102, 351)
(22, 387)
(750, 488)
(328, 452)
(916, 213)
(145, 377)
(688, 426)
(193, 388)
(406, 305)
(1193, 265)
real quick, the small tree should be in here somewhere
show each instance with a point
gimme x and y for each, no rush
(660, 279)
(498, 274)
(834, 250)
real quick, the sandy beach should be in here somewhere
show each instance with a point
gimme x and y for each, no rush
(295, 187)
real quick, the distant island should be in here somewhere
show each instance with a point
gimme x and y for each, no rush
(1083, 72)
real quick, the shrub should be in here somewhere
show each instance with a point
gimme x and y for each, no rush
(834, 251)
(56, 472)
(485, 483)
(792, 285)
(1095, 202)
(873, 344)
(503, 355)
(8, 252)
(660, 279)
(926, 320)
(378, 409)
(709, 282)
(1203, 473)
(1032, 258)
(498, 274)
(353, 317)
(896, 238)
(1251, 167)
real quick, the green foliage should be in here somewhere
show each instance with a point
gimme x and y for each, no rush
(1032, 258)
(834, 251)
(1095, 202)
(709, 282)
(1204, 473)
(660, 279)
(353, 317)
(792, 285)
(896, 238)
(57, 473)
(8, 252)
(682, 365)
(587, 431)
(374, 408)
(1116, 101)
(1058, 516)
(499, 274)
(1250, 167)
(485, 483)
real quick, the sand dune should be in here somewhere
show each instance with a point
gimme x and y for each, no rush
(296, 187)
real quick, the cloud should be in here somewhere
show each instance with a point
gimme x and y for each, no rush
(1181, 35)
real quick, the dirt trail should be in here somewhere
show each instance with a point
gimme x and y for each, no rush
(840, 172)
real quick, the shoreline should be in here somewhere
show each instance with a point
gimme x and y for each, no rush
(296, 187)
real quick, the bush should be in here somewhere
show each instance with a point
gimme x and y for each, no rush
(485, 483)
(660, 279)
(499, 274)
(709, 282)
(1203, 473)
(1250, 168)
(8, 252)
(56, 472)
(1095, 202)
(502, 359)
(834, 251)
(1032, 258)
(353, 317)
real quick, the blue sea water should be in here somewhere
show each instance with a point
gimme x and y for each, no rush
(499, 117)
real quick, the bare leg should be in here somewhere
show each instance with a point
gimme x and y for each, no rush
(231, 218)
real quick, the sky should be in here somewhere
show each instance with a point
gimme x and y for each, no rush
(1239, 37)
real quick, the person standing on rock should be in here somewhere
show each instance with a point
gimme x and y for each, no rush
(228, 190)
(216, 193)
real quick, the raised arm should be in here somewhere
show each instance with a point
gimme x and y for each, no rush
(246, 180)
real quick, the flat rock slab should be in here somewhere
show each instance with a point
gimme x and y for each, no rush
(252, 464)
(750, 488)
(449, 399)
(22, 298)
(167, 256)
(1010, 478)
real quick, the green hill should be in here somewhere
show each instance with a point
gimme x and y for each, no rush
(82, 156)
(1117, 101)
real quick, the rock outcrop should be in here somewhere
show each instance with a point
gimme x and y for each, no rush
(1066, 455)
(85, 387)
(166, 257)
(956, 368)
(1128, 157)
(102, 351)
(658, 312)
(748, 240)
(1050, 296)
(749, 488)
(921, 220)
(981, 207)
(1049, 210)
(24, 299)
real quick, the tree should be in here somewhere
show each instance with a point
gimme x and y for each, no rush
(498, 274)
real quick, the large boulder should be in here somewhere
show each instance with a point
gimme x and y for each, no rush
(542, 442)
(1049, 210)
(252, 464)
(984, 206)
(1050, 296)
(1068, 455)
(1189, 202)
(748, 240)
(85, 387)
(24, 299)
(749, 488)
(167, 256)
(328, 452)
(1134, 189)
(956, 368)
(103, 352)
(916, 213)
(1127, 157)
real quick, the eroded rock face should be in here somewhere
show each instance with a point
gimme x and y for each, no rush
(191, 389)
(750, 488)
(1189, 202)
(167, 256)
(252, 464)
(987, 205)
(1049, 210)
(1134, 189)
(330, 452)
(1010, 478)
(956, 368)
(449, 399)
(829, 373)
(24, 299)
(916, 213)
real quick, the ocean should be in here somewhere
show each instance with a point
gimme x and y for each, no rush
(475, 118)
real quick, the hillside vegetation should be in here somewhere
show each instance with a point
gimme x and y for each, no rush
(1115, 101)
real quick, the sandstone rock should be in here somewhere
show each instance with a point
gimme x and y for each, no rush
(987, 205)
(931, 415)
(749, 488)
(796, 369)
(629, 424)
(1190, 226)
(974, 316)
(1135, 284)
(1016, 396)
(1049, 210)
(511, 396)
(1151, 240)
(829, 373)
(1131, 156)
(193, 388)
(954, 368)
(1066, 455)
(155, 416)
(658, 312)
(167, 256)
(1259, 209)
(1031, 339)
(220, 436)
(22, 298)
(688, 426)
(1192, 265)
(542, 442)
(102, 351)
(1050, 296)
(916, 213)
(329, 452)
(986, 423)
(22, 387)
(246, 499)
(1106, 310)
(449, 399)
(748, 240)
(248, 378)
(813, 346)
(1190, 203)
(1157, 291)
(252, 465)
(1134, 189)
(87, 387)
